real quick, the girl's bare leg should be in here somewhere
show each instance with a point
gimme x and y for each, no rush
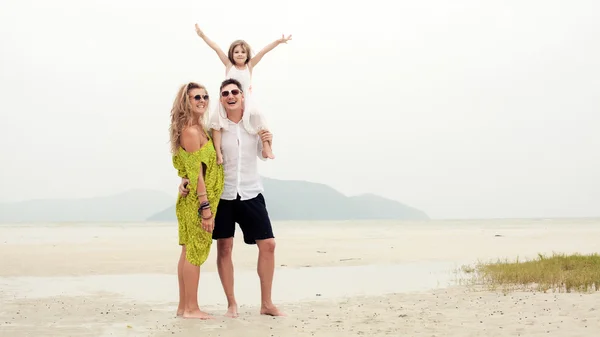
(217, 143)
(267, 152)
(258, 122)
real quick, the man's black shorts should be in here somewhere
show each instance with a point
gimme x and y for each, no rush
(251, 215)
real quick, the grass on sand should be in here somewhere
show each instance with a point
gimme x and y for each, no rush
(558, 272)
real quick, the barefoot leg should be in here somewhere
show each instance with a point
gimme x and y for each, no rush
(181, 306)
(266, 269)
(191, 278)
(197, 314)
(225, 268)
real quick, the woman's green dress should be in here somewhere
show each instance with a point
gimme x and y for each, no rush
(188, 164)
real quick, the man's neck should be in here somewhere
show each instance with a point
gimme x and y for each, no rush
(235, 116)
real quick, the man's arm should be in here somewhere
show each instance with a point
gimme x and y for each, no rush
(183, 187)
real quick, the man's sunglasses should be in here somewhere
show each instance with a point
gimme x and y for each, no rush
(197, 97)
(234, 92)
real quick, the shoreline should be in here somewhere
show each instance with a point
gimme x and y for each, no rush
(308, 284)
(149, 248)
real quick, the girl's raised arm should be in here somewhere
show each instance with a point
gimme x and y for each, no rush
(254, 61)
(222, 56)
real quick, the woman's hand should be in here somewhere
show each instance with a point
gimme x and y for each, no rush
(208, 224)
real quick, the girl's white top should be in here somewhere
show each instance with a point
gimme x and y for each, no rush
(253, 121)
(244, 76)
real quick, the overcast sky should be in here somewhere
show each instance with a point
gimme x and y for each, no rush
(464, 109)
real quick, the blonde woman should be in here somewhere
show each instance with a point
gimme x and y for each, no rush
(195, 159)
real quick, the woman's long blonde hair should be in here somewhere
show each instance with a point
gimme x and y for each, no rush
(182, 115)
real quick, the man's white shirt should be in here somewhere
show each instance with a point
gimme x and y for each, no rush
(240, 151)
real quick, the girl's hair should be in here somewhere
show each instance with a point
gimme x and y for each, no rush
(182, 115)
(244, 45)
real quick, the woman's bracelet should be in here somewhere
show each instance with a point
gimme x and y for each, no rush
(203, 205)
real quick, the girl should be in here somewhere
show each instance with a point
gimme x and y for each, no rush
(239, 65)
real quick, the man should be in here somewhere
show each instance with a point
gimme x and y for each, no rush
(242, 201)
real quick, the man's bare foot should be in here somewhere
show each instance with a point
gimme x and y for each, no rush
(179, 312)
(219, 159)
(232, 312)
(268, 154)
(271, 311)
(198, 314)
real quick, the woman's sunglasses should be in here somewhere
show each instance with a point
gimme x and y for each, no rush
(234, 92)
(197, 97)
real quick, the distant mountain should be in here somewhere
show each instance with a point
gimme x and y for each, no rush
(302, 200)
(135, 205)
(286, 200)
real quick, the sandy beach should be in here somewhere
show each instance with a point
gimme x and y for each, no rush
(333, 279)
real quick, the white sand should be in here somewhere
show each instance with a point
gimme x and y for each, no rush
(119, 280)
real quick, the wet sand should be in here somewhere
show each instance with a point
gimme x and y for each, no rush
(333, 279)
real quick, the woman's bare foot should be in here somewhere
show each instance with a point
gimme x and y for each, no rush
(179, 312)
(232, 312)
(271, 311)
(267, 153)
(198, 314)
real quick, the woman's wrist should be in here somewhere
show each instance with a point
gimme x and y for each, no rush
(202, 197)
(204, 210)
(206, 215)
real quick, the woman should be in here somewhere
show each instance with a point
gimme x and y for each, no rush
(195, 158)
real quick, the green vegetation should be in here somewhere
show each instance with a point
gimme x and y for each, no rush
(558, 273)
